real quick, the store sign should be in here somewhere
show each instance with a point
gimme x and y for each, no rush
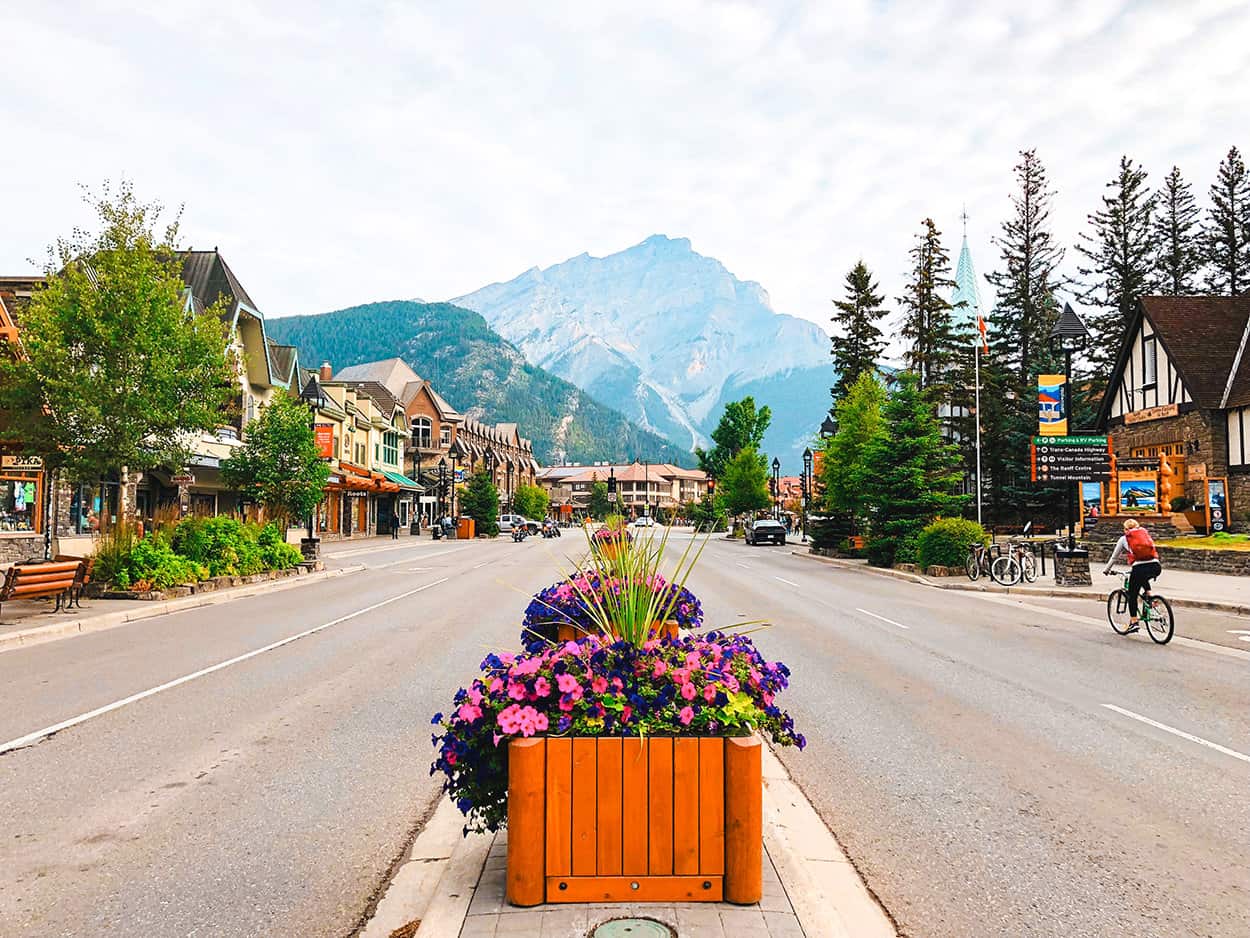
(1071, 458)
(323, 434)
(22, 463)
(1152, 413)
(1217, 506)
(1052, 419)
(355, 493)
(182, 478)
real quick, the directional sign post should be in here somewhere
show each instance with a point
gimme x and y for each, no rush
(1071, 458)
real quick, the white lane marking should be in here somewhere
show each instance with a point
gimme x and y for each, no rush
(423, 557)
(37, 735)
(1181, 733)
(744, 566)
(882, 618)
(1243, 635)
(784, 580)
(479, 566)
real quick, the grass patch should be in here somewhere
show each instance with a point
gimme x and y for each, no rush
(1240, 542)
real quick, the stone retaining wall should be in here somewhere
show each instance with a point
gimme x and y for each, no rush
(21, 547)
(96, 591)
(1231, 562)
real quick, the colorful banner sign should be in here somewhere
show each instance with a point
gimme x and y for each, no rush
(1217, 506)
(323, 433)
(1052, 420)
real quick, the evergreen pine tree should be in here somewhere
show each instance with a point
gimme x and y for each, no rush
(1121, 259)
(1178, 260)
(915, 473)
(927, 322)
(859, 344)
(1226, 236)
(843, 474)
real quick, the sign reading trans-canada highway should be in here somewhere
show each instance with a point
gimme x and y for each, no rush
(1071, 458)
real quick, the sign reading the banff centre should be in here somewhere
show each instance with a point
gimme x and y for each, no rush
(1071, 458)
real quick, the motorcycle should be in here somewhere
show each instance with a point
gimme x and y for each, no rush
(518, 534)
(550, 530)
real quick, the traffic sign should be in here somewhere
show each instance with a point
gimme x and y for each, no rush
(1071, 458)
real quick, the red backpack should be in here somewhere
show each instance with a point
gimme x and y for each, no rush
(1141, 545)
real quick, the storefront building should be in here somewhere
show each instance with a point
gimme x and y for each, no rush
(1177, 409)
(642, 488)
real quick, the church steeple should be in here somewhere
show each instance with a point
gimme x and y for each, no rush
(964, 318)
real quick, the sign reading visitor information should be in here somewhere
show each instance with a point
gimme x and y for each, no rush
(323, 434)
(1071, 458)
(1052, 420)
(1151, 413)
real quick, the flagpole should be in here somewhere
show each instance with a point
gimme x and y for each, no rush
(978, 419)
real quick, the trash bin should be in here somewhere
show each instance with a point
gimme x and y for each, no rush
(467, 529)
(1072, 567)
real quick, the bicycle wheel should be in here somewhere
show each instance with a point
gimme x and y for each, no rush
(1028, 566)
(1117, 611)
(1005, 570)
(973, 565)
(1159, 621)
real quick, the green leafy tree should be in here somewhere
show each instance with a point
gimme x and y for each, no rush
(742, 426)
(915, 472)
(705, 516)
(844, 471)
(114, 371)
(279, 464)
(601, 504)
(927, 323)
(1178, 260)
(1226, 236)
(1120, 255)
(859, 343)
(531, 501)
(743, 485)
(479, 500)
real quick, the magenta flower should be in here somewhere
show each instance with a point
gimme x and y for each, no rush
(687, 691)
(686, 715)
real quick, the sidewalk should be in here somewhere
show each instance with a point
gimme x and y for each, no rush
(453, 887)
(32, 621)
(1183, 588)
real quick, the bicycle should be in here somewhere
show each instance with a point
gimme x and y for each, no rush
(978, 562)
(1023, 553)
(1155, 610)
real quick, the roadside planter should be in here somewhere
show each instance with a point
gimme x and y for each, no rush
(625, 762)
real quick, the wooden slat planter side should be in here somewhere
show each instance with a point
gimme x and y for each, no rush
(634, 820)
(567, 632)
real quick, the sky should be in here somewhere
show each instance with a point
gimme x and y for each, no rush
(339, 153)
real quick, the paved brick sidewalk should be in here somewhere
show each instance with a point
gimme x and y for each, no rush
(489, 914)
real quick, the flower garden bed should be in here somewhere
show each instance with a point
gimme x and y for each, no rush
(101, 591)
(626, 761)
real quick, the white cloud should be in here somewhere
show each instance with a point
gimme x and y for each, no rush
(344, 153)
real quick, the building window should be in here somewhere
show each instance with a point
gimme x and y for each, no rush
(423, 433)
(1149, 378)
(444, 435)
(390, 448)
(19, 503)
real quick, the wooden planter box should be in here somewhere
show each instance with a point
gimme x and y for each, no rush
(567, 632)
(634, 820)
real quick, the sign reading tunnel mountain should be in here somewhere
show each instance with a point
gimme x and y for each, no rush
(1071, 458)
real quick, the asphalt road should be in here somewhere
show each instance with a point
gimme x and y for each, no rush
(961, 748)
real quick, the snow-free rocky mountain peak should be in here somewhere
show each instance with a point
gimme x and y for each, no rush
(667, 336)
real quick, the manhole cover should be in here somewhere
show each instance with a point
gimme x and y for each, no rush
(633, 928)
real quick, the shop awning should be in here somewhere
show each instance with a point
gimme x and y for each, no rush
(403, 481)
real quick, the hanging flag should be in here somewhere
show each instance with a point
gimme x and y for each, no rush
(981, 329)
(1051, 419)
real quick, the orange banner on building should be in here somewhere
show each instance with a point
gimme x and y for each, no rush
(323, 433)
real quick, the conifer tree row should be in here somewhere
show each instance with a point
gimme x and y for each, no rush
(1226, 236)
(858, 345)
(1178, 260)
(927, 324)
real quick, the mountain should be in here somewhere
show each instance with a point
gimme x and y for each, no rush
(667, 336)
(479, 373)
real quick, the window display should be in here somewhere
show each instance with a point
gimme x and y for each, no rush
(19, 504)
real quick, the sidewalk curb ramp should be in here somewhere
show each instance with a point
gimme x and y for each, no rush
(969, 587)
(83, 625)
(435, 884)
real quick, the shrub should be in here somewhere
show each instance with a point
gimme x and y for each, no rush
(149, 564)
(228, 547)
(880, 551)
(945, 542)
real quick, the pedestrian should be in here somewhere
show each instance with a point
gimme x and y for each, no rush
(394, 525)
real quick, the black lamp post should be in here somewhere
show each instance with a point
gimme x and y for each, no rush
(646, 488)
(776, 488)
(806, 487)
(1069, 332)
(452, 494)
(828, 427)
(416, 473)
(316, 398)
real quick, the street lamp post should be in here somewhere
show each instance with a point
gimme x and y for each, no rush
(1068, 332)
(807, 487)
(442, 485)
(416, 475)
(776, 488)
(315, 397)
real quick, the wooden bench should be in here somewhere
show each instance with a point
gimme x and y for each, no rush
(32, 580)
(86, 566)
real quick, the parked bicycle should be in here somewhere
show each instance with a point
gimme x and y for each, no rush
(979, 560)
(1003, 568)
(1155, 613)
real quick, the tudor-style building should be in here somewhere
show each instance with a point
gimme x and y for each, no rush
(1177, 403)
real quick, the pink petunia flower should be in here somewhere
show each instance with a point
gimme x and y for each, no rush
(599, 685)
(688, 691)
(686, 715)
(542, 687)
(660, 668)
(516, 691)
(566, 683)
(469, 713)
(709, 692)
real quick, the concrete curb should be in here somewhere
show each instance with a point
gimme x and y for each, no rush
(1099, 595)
(110, 620)
(436, 883)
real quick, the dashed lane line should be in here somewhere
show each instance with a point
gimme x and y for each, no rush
(38, 735)
(882, 618)
(422, 558)
(1181, 733)
(784, 580)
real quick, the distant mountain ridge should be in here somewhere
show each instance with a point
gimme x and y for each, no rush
(480, 374)
(667, 336)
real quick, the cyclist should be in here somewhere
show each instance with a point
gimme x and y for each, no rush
(1139, 547)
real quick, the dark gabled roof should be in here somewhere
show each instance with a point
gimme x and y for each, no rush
(282, 357)
(209, 278)
(1202, 336)
(375, 389)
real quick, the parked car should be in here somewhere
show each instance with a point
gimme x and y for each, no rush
(508, 522)
(644, 521)
(764, 530)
